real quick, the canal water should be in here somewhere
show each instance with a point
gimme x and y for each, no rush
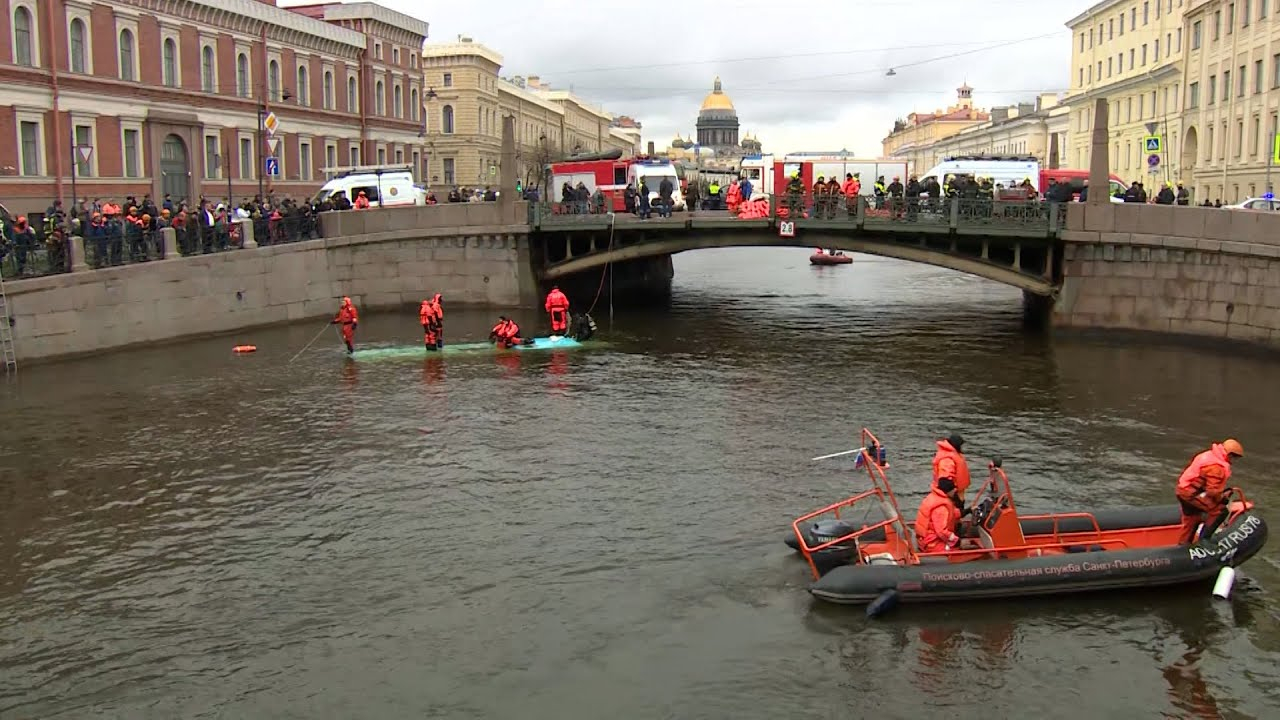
(598, 533)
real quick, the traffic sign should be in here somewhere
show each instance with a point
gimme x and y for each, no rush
(273, 146)
(786, 229)
(1152, 143)
(271, 123)
(83, 153)
(1153, 161)
(273, 166)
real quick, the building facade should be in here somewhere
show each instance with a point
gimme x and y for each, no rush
(1231, 83)
(165, 96)
(911, 138)
(1129, 52)
(473, 97)
(1025, 130)
(717, 123)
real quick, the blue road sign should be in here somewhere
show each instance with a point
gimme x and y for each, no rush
(1153, 160)
(273, 166)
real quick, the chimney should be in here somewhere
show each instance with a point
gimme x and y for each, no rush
(651, 152)
(999, 114)
(533, 81)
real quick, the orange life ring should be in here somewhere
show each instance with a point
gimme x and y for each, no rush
(244, 349)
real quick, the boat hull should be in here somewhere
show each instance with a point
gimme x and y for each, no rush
(476, 348)
(1092, 570)
(825, 259)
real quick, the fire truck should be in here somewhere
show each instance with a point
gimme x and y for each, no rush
(770, 175)
(611, 174)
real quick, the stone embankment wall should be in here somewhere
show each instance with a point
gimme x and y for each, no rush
(474, 254)
(1182, 270)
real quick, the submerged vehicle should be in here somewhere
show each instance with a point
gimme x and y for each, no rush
(831, 258)
(1008, 554)
(582, 328)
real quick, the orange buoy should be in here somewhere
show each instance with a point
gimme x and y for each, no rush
(240, 349)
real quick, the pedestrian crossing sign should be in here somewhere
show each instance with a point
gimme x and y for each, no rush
(1152, 143)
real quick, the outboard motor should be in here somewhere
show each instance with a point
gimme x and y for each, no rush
(827, 530)
(583, 327)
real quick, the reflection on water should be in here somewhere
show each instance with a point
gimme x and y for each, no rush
(186, 533)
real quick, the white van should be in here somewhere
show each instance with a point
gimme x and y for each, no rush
(1006, 172)
(653, 171)
(385, 187)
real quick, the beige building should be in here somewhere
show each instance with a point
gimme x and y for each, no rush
(464, 126)
(1231, 84)
(911, 137)
(1129, 52)
(1025, 129)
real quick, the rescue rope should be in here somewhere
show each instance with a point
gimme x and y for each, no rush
(313, 341)
(606, 272)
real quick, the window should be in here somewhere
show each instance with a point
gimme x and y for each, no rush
(395, 56)
(1144, 53)
(1091, 37)
(1133, 53)
(1213, 90)
(355, 155)
(448, 171)
(399, 157)
(328, 90)
(83, 136)
(132, 148)
(79, 52)
(1122, 24)
(397, 101)
(1217, 25)
(1109, 67)
(382, 156)
(1193, 96)
(414, 105)
(379, 98)
(1231, 18)
(1099, 70)
(208, 81)
(1248, 10)
(1142, 101)
(1240, 78)
(23, 38)
(211, 159)
(1177, 45)
(1128, 112)
(1226, 85)
(304, 161)
(446, 120)
(1195, 35)
(170, 62)
(273, 81)
(1146, 12)
(330, 156)
(127, 58)
(1262, 8)
(377, 51)
(29, 134)
(246, 158)
(413, 61)
(1081, 81)
(448, 79)
(1081, 42)
(1155, 50)
(1239, 146)
(303, 91)
(242, 75)
(419, 171)
(1257, 134)
(1133, 18)
(352, 97)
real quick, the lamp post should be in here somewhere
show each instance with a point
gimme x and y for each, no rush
(422, 131)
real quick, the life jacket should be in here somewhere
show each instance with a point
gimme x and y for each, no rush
(1190, 481)
(425, 312)
(928, 537)
(556, 300)
(961, 479)
(347, 313)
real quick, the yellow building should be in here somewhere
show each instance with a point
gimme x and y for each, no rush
(1025, 129)
(1129, 52)
(464, 120)
(911, 137)
(1231, 84)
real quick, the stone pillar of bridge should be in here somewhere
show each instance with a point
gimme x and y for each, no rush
(1099, 159)
(509, 169)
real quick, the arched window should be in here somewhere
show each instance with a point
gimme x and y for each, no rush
(126, 55)
(352, 96)
(413, 102)
(380, 98)
(446, 120)
(328, 90)
(397, 101)
(242, 75)
(79, 52)
(304, 87)
(23, 26)
(207, 68)
(273, 81)
(170, 62)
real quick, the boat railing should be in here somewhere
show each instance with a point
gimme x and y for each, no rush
(1058, 517)
(1114, 543)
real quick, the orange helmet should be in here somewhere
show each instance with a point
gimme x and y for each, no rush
(1233, 447)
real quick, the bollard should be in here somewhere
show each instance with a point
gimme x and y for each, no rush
(78, 263)
(246, 234)
(169, 243)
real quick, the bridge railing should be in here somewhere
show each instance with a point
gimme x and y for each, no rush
(993, 216)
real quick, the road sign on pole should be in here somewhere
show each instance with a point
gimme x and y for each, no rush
(1153, 161)
(83, 153)
(273, 166)
(273, 146)
(271, 123)
(1152, 143)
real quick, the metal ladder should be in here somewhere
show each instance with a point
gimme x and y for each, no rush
(6, 334)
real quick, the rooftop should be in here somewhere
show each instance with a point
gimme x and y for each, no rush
(331, 12)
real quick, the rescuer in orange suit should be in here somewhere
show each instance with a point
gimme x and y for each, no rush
(362, 201)
(427, 316)
(938, 517)
(348, 318)
(437, 312)
(949, 463)
(1202, 487)
(506, 333)
(557, 306)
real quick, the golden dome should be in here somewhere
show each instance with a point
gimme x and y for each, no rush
(717, 100)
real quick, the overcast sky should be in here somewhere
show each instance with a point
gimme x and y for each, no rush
(819, 86)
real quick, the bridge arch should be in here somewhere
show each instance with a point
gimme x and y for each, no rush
(1013, 263)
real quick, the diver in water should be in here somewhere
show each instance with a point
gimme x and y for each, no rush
(583, 327)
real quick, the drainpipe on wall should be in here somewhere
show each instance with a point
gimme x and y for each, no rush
(58, 142)
(366, 73)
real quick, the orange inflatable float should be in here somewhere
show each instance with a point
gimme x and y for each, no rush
(242, 349)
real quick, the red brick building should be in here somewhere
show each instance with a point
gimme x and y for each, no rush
(168, 95)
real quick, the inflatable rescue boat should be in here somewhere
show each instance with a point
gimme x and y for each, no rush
(836, 258)
(1006, 554)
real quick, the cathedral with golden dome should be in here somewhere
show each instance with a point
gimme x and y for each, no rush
(717, 138)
